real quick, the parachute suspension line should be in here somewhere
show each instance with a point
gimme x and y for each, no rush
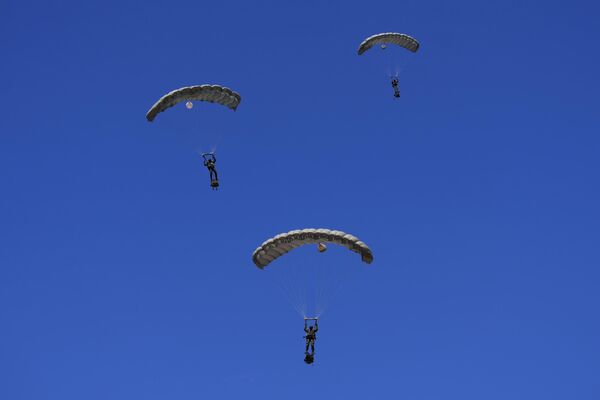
(324, 289)
(318, 297)
(212, 140)
(292, 294)
(318, 288)
(216, 140)
(336, 288)
(334, 280)
(395, 62)
(292, 298)
(308, 287)
(322, 277)
(293, 284)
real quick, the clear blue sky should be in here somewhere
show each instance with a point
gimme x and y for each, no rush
(123, 276)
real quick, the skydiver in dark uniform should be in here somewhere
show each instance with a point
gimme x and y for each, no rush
(209, 162)
(311, 336)
(395, 86)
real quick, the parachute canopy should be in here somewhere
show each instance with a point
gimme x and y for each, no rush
(284, 242)
(399, 39)
(210, 93)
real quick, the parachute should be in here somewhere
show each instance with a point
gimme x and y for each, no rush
(210, 93)
(399, 39)
(281, 244)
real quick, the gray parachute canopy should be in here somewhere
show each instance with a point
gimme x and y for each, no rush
(210, 93)
(284, 242)
(399, 39)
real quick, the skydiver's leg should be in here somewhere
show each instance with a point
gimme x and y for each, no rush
(306, 350)
(312, 347)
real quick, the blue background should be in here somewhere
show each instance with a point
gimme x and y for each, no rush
(122, 275)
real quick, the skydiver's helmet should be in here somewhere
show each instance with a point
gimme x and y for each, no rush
(309, 359)
(321, 247)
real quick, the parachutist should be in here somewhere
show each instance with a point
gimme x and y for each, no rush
(388, 38)
(311, 336)
(395, 86)
(209, 162)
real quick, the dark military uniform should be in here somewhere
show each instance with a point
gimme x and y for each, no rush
(311, 336)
